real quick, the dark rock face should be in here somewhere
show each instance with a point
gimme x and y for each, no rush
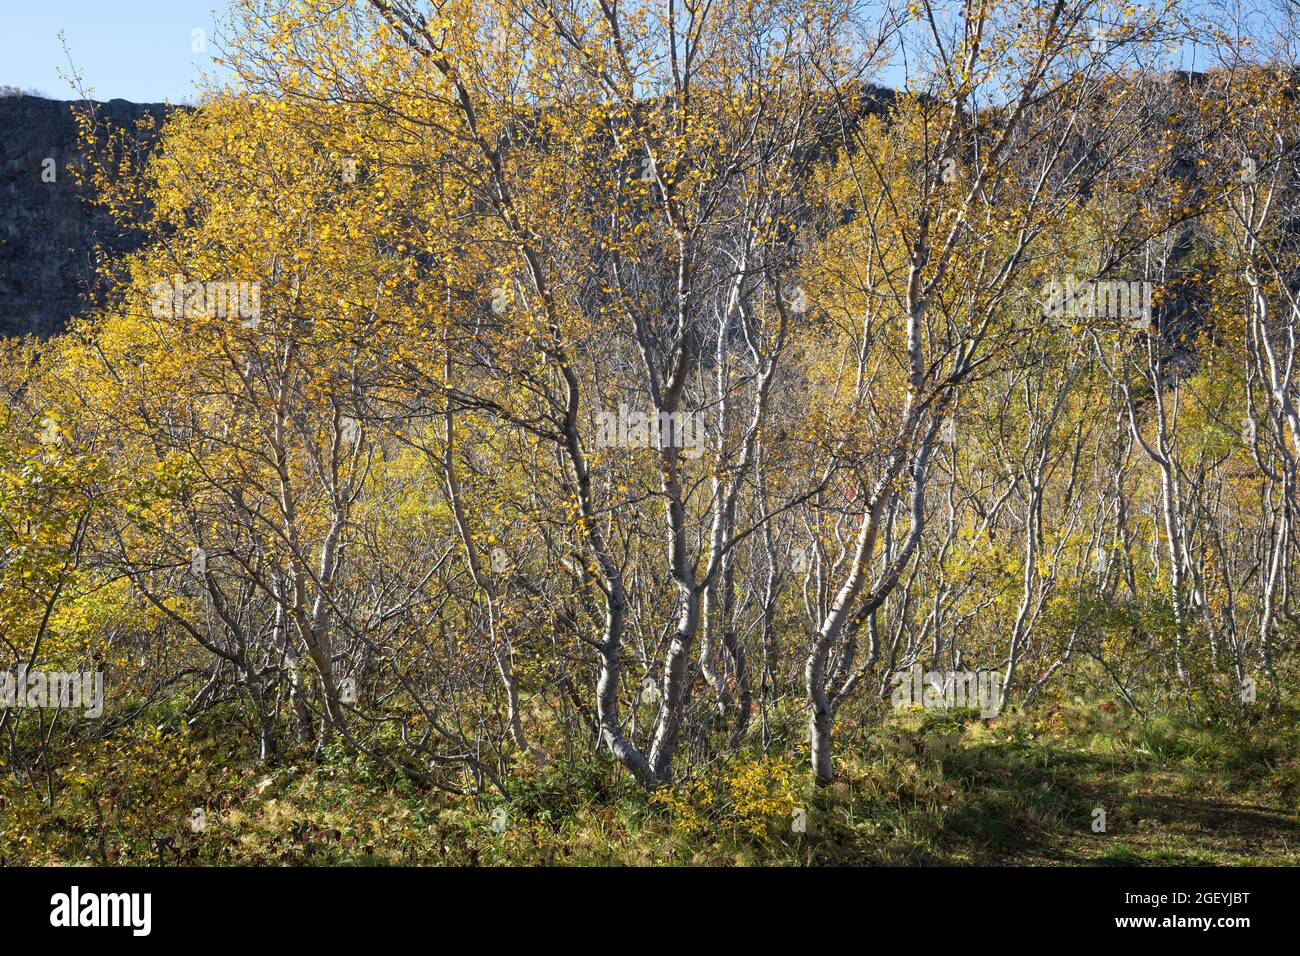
(47, 229)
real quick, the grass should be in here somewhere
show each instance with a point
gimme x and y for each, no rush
(924, 788)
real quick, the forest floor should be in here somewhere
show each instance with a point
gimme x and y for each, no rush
(923, 788)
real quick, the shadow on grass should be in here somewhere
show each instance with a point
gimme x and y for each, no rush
(1044, 809)
(1012, 803)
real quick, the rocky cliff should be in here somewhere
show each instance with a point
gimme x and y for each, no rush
(47, 229)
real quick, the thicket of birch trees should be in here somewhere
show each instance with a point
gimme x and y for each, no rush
(663, 378)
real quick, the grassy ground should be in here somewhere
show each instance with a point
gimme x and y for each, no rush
(924, 788)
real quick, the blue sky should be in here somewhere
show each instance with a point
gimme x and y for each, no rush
(139, 50)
